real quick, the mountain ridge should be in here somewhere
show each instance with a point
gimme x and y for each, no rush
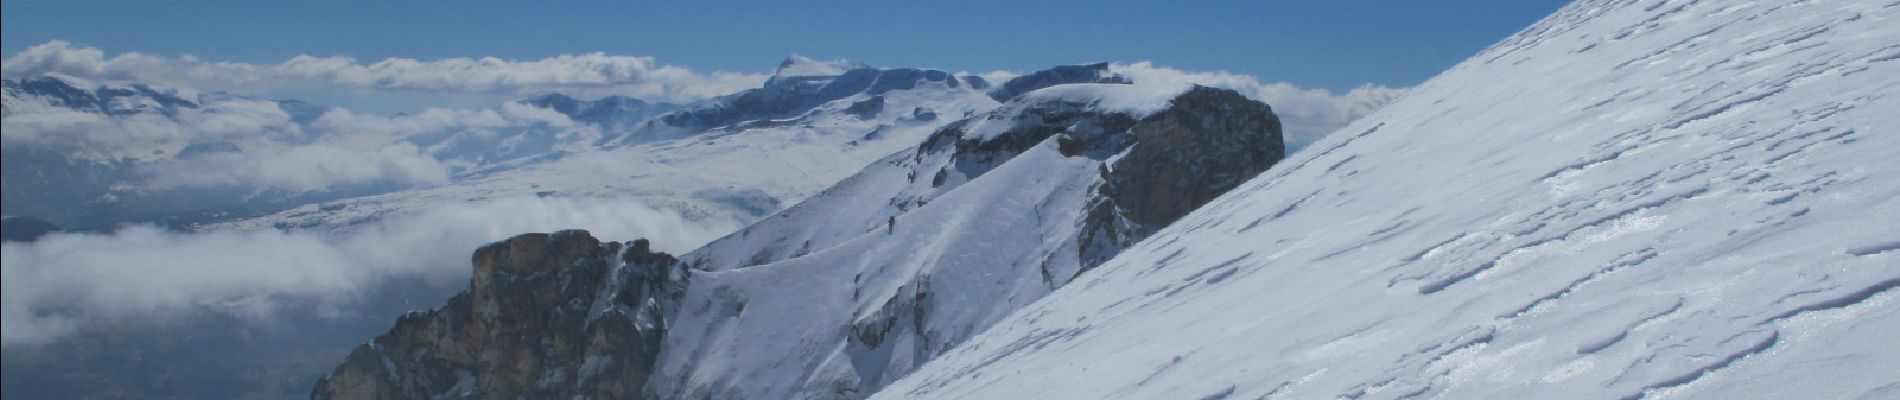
(887, 288)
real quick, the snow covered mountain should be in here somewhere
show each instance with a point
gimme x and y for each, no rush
(1630, 199)
(69, 93)
(850, 289)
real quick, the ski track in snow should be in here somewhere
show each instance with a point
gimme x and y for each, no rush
(1632, 199)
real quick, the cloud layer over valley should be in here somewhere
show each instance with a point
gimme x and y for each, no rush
(63, 282)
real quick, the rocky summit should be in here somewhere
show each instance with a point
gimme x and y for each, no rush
(557, 315)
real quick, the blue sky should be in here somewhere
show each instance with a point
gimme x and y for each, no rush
(1325, 44)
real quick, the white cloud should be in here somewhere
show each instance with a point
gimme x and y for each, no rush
(126, 134)
(1305, 114)
(509, 115)
(55, 126)
(63, 282)
(301, 168)
(238, 118)
(588, 74)
(340, 147)
(994, 78)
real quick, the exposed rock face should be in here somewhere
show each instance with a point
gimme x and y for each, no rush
(1204, 145)
(1207, 143)
(546, 316)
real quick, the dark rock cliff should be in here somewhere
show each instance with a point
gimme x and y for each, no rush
(1206, 143)
(546, 316)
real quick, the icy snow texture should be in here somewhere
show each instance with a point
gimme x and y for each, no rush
(1629, 199)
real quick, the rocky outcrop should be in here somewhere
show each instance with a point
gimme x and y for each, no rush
(1206, 143)
(557, 315)
(1209, 141)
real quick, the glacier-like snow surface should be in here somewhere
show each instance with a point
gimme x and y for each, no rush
(1629, 199)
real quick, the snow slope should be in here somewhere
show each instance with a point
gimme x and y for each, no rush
(914, 178)
(862, 283)
(1629, 199)
(969, 259)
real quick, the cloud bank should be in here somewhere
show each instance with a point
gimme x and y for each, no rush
(65, 282)
(301, 168)
(340, 147)
(594, 73)
(1306, 114)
